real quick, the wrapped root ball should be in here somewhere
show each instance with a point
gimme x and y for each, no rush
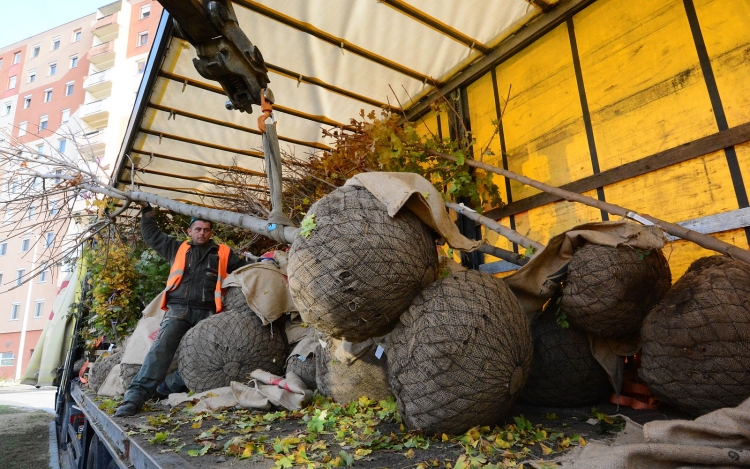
(564, 373)
(460, 355)
(610, 291)
(345, 371)
(100, 369)
(304, 367)
(359, 269)
(696, 341)
(127, 373)
(235, 300)
(228, 347)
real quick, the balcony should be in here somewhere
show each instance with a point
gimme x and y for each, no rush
(102, 55)
(99, 84)
(92, 144)
(106, 27)
(96, 113)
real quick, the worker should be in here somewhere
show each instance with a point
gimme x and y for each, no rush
(193, 293)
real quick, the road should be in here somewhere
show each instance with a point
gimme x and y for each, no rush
(28, 396)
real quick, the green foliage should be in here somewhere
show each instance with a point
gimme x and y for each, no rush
(307, 225)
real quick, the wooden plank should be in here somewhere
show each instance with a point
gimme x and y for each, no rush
(527, 35)
(719, 222)
(685, 152)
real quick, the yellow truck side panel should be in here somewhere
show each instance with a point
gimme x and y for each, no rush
(682, 253)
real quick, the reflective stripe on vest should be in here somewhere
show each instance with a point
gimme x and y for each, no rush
(178, 268)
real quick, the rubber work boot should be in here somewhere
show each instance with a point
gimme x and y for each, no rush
(127, 409)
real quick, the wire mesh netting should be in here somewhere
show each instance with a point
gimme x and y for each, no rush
(609, 291)
(564, 373)
(101, 368)
(127, 373)
(359, 269)
(305, 369)
(234, 299)
(347, 382)
(227, 347)
(696, 342)
(460, 355)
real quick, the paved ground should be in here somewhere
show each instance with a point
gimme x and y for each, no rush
(29, 397)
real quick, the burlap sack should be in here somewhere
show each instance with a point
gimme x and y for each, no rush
(264, 287)
(720, 439)
(100, 369)
(301, 361)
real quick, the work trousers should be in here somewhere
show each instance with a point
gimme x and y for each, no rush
(177, 321)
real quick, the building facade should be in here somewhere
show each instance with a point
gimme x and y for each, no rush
(68, 90)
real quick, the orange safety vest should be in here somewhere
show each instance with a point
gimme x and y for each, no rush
(178, 268)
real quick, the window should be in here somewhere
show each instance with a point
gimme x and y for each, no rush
(52, 68)
(3, 251)
(12, 82)
(16, 58)
(39, 306)
(142, 38)
(40, 149)
(1, 64)
(8, 215)
(145, 11)
(25, 243)
(58, 180)
(19, 276)
(74, 61)
(65, 115)
(48, 95)
(32, 75)
(14, 309)
(22, 129)
(7, 107)
(30, 215)
(27, 102)
(55, 43)
(49, 237)
(77, 35)
(35, 51)
(61, 144)
(6, 358)
(141, 67)
(42, 122)
(69, 88)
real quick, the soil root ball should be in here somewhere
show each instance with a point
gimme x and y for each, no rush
(305, 369)
(610, 290)
(460, 355)
(228, 347)
(100, 369)
(347, 380)
(235, 300)
(564, 373)
(359, 269)
(127, 373)
(696, 342)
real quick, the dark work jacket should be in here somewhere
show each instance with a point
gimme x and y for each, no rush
(199, 279)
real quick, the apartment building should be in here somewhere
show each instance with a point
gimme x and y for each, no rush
(70, 90)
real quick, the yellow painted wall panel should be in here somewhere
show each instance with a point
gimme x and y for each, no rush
(743, 158)
(482, 112)
(427, 125)
(643, 81)
(543, 124)
(684, 191)
(542, 223)
(726, 32)
(682, 253)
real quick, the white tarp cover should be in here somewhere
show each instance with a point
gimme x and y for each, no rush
(406, 59)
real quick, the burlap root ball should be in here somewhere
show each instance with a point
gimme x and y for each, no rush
(564, 373)
(347, 382)
(305, 369)
(227, 347)
(99, 370)
(609, 291)
(696, 342)
(234, 299)
(127, 373)
(460, 355)
(359, 269)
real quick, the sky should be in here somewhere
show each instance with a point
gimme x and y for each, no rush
(26, 18)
